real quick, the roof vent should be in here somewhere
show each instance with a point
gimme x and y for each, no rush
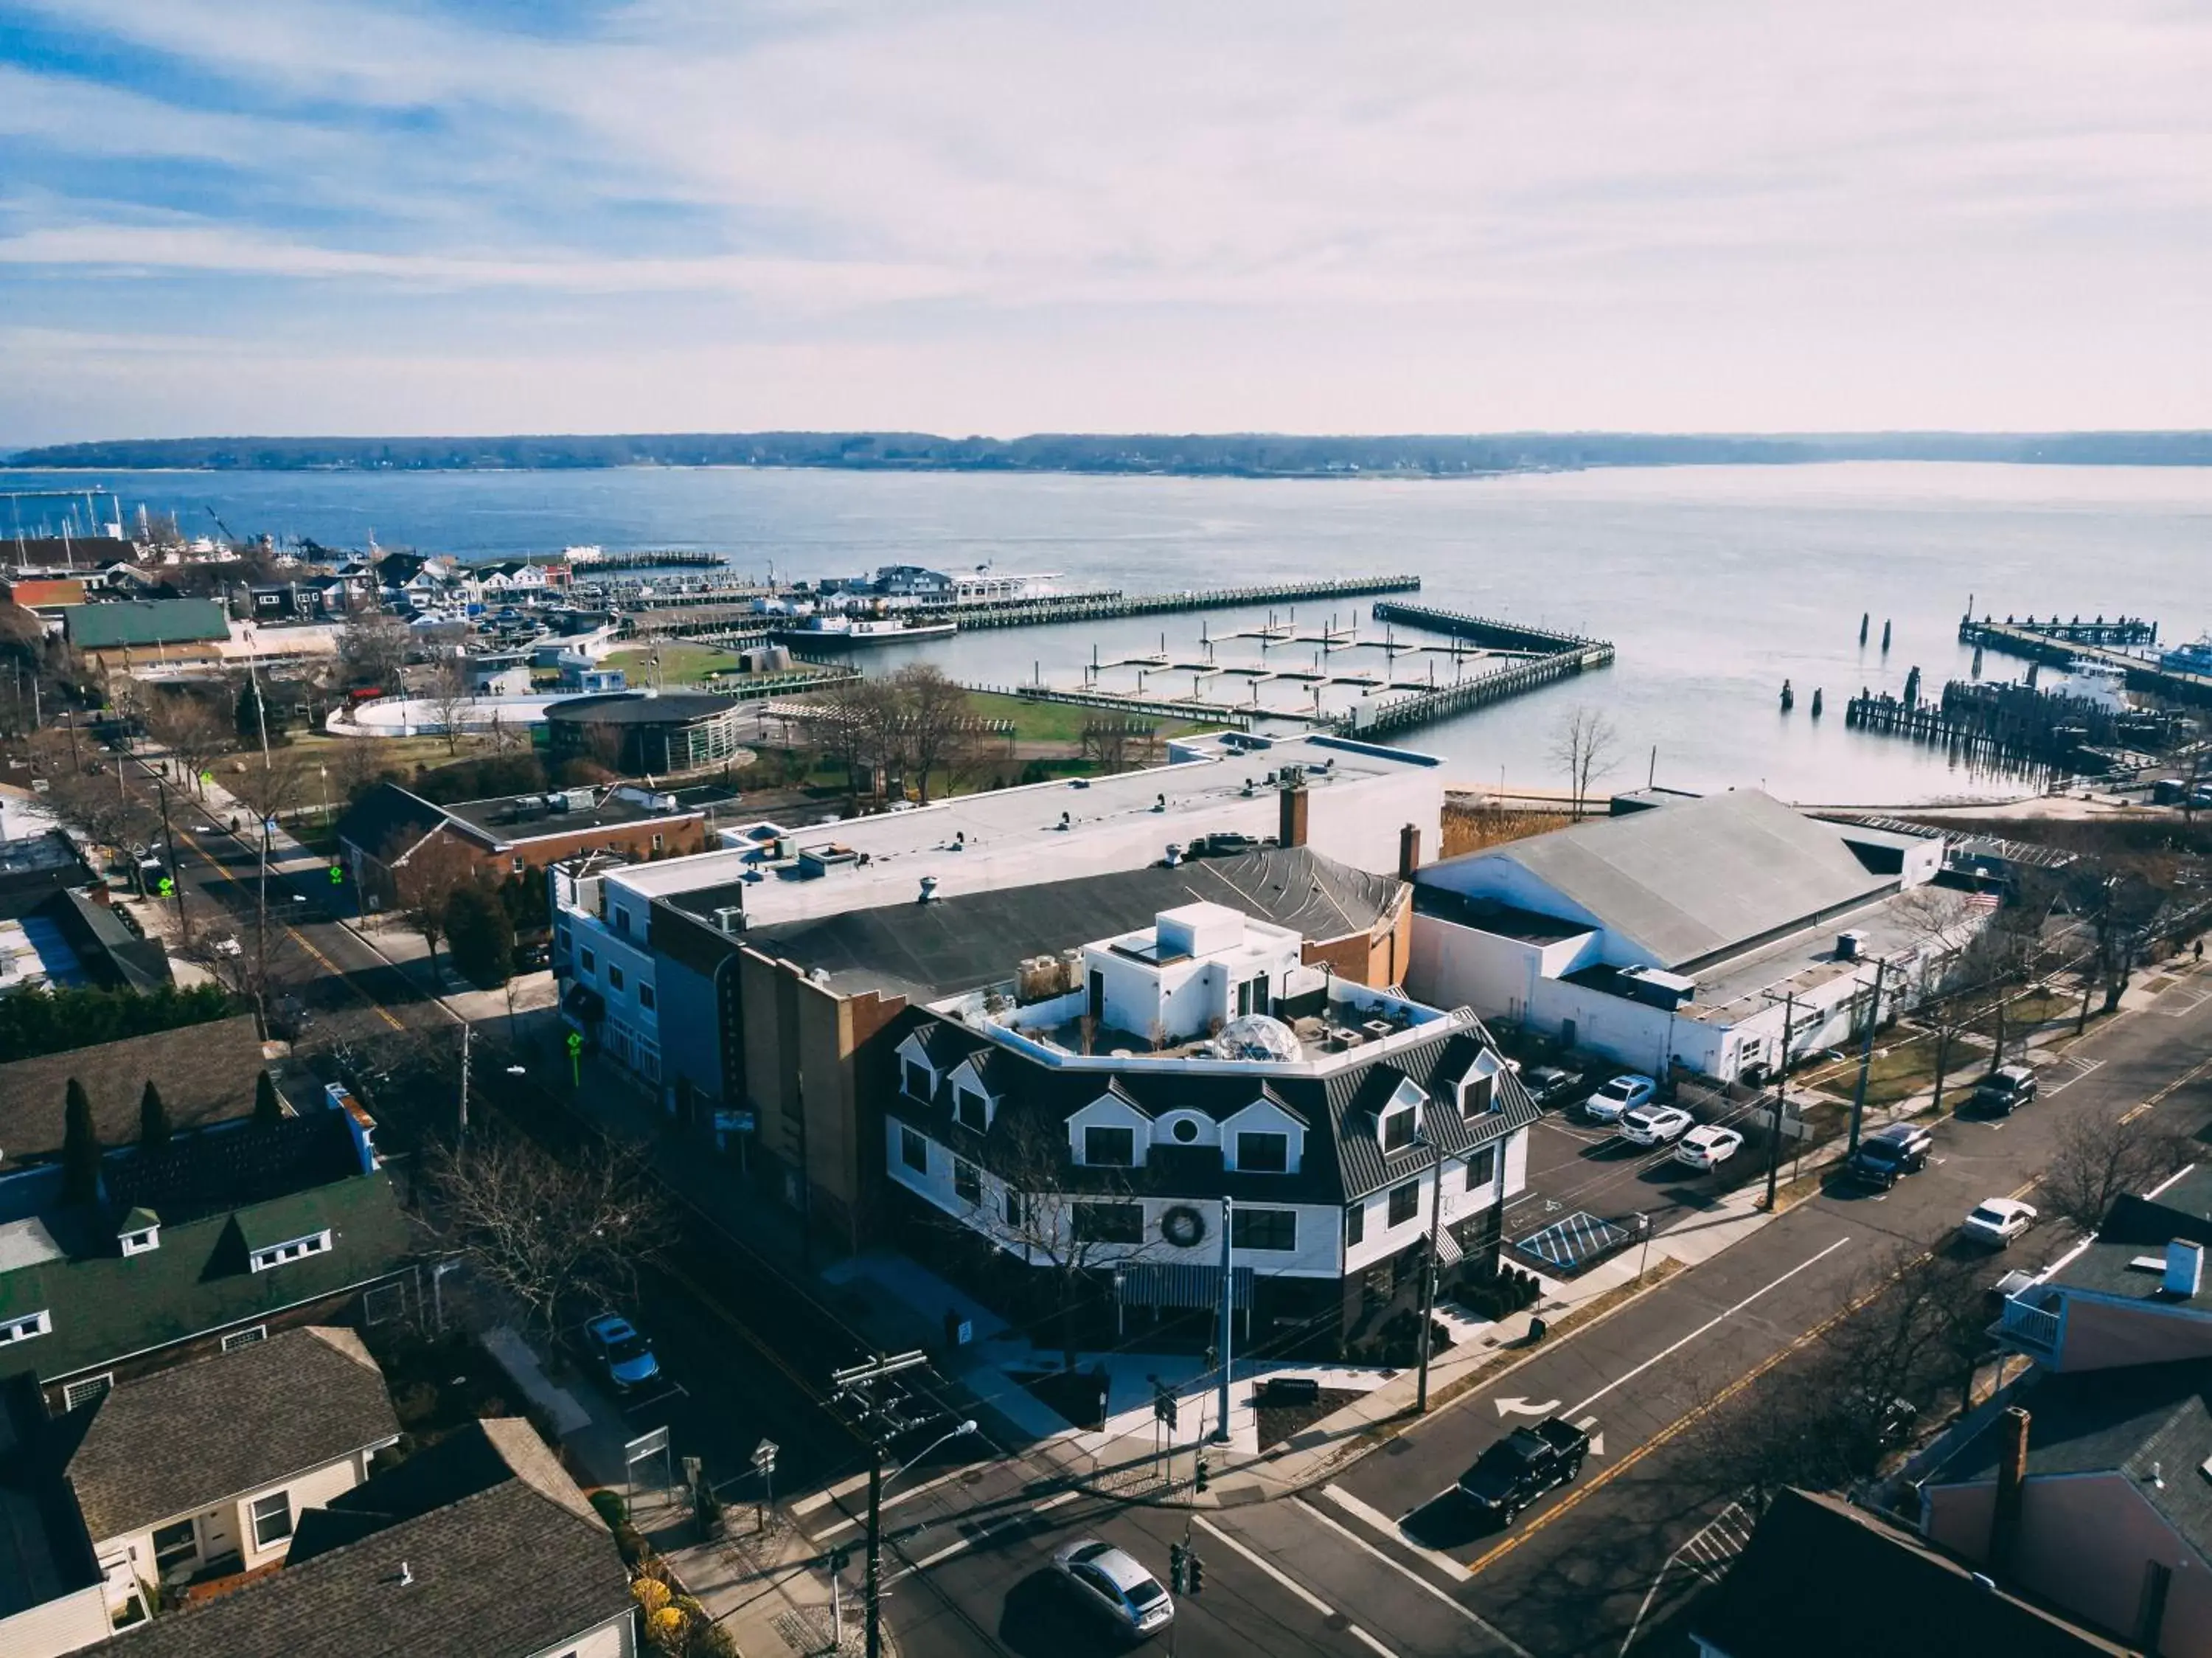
(406, 1574)
(1175, 854)
(2185, 1268)
(929, 889)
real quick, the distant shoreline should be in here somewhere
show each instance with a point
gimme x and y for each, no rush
(1241, 455)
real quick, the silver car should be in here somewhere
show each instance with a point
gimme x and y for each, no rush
(1110, 1581)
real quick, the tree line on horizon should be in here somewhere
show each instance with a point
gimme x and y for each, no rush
(1230, 454)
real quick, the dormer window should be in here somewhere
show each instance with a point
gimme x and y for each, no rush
(142, 1242)
(1109, 1148)
(291, 1249)
(1263, 1153)
(919, 1083)
(1478, 1090)
(1400, 1127)
(23, 1328)
(973, 1108)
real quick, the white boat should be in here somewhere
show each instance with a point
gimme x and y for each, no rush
(858, 632)
(2105, 684)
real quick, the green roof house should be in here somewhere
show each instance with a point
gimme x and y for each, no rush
(135, 623)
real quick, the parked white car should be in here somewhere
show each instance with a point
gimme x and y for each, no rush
(1998, 1221)
(1621, 1095)
(1707, 1147)
(1655, 1126)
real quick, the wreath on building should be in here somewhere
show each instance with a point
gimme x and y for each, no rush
(1184, 1226)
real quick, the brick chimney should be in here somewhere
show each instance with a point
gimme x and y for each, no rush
(1294, 801)
(2012, 1485)
(1409, 850)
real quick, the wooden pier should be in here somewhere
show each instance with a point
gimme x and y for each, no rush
(2038, 642)
(1488, 632)
(1171, 708)
(1105, 606)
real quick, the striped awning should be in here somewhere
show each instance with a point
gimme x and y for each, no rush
(1172, 1284)
(1448, 1250)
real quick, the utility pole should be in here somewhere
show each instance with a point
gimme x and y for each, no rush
(1781, 1089)
(176, 872)
(1228, 1308)
(1428, 1274)
(862, 1380)
(1866, 1053)
(464, 1083)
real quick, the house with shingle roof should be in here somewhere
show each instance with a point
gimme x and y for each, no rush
(206, 1469)
(206, 1073)
(1098, 1116)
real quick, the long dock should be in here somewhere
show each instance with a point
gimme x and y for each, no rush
(1102, 606)
(1487, 630)
(1557, 656)
(2039, 642)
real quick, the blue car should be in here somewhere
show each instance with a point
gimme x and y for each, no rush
(627, 1355)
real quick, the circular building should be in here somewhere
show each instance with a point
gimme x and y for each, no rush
(643, 731)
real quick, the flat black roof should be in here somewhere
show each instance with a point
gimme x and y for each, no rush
(637, 708)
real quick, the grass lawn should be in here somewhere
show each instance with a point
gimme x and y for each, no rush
(2041, 1003)
(321, 748)
(681, 662)
(1901, 1067)
(1035, 721)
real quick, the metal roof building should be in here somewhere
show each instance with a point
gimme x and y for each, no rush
(144, 622)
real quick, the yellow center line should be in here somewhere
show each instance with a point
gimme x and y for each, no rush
(297, 937)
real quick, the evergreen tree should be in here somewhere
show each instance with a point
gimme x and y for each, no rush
(250, 711)
(80, 1149)
(267, 1111)
(479, 937)
(153, 1126)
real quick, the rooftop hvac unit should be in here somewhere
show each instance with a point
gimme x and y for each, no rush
(1850, 944)
(1379, 1028)
(730, 918)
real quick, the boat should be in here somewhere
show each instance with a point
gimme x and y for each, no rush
(859, 632)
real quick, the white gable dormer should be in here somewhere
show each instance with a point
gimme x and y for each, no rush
(1398, 1123)
(974, 1105)
(1479, 1090)
(1262, 1139)
(918, 1077)
(1123, 1132)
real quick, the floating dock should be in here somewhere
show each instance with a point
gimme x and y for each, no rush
(1103, 607)
(2063, 643)
(1545, 657)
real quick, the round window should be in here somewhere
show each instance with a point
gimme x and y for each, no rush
(1185, 1130)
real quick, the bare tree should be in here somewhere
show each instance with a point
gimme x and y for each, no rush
(448, 696)
(193, 732)
(1586, 748)
(373, 649)
(424, 882)
(934, 714)
(559, 1234)
(361, 763)
(2104, 1154)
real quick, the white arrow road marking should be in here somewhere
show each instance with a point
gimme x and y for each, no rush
(1292, 1585)
(1521, 1407)
(1596, 1441)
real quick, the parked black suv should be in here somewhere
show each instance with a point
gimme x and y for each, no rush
(1888, 1155)
(1523, 1465)
(1997, 1093)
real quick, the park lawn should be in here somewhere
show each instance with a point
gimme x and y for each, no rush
(1062, 723)
(681, 662)
(320, 748)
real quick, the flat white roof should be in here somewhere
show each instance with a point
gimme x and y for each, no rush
(1037, 832)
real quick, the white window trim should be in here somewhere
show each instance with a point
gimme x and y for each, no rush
(245, 1337)
(73, 1395)
(41, 1323)
(966, 1091)
(143, 1241)
(253, 1518)
(291, 1249)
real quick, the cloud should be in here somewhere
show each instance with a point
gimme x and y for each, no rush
(1267, 203)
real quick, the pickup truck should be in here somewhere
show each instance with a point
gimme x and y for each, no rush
(1523, 1465)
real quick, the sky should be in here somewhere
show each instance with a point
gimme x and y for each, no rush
(332, 216)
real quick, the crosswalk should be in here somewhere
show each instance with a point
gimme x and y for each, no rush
(1703, 1559)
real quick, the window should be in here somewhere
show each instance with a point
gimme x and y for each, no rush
(272, 1519)
(656, 843)
(622, 922)
(584, 960)
(1263, 1154)
(1482, 1168)
(971, 1107)
(245, 1337)
(966, 1184)
(644, 995)
(519, 866)
(1404, 1202)
(1263, 1228)
(1355, 1225)
(1015, 1207)
(276, 1254)
(22, 1329)
(614, 976)
(914, 1151)
(83, 1393)
(918, 1082)
(139, 1243)
(1109, 1148)
(174, 1545)
(1476, 1096)
(1398, 1130)
(1110, 1224)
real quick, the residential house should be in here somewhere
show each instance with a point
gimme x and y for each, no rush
(1096, 1112)
(52, 1598)
(204, 1470)
(207, 1073)
(1821, 1579)
(1684, 934)
(478, 1546)
(233, 1229)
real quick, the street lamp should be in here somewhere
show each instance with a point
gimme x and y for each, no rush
(965, 1428)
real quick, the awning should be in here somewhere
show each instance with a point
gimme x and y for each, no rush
(1171, 1283)
(1448, 1250)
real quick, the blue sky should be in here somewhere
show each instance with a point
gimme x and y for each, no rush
(335, 216)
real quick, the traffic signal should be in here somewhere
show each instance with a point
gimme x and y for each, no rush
(1178, 1558)
(1205, 1474)
(1196, 1568)
(338, 875)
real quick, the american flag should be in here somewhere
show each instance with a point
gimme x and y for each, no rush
(1983, 900)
